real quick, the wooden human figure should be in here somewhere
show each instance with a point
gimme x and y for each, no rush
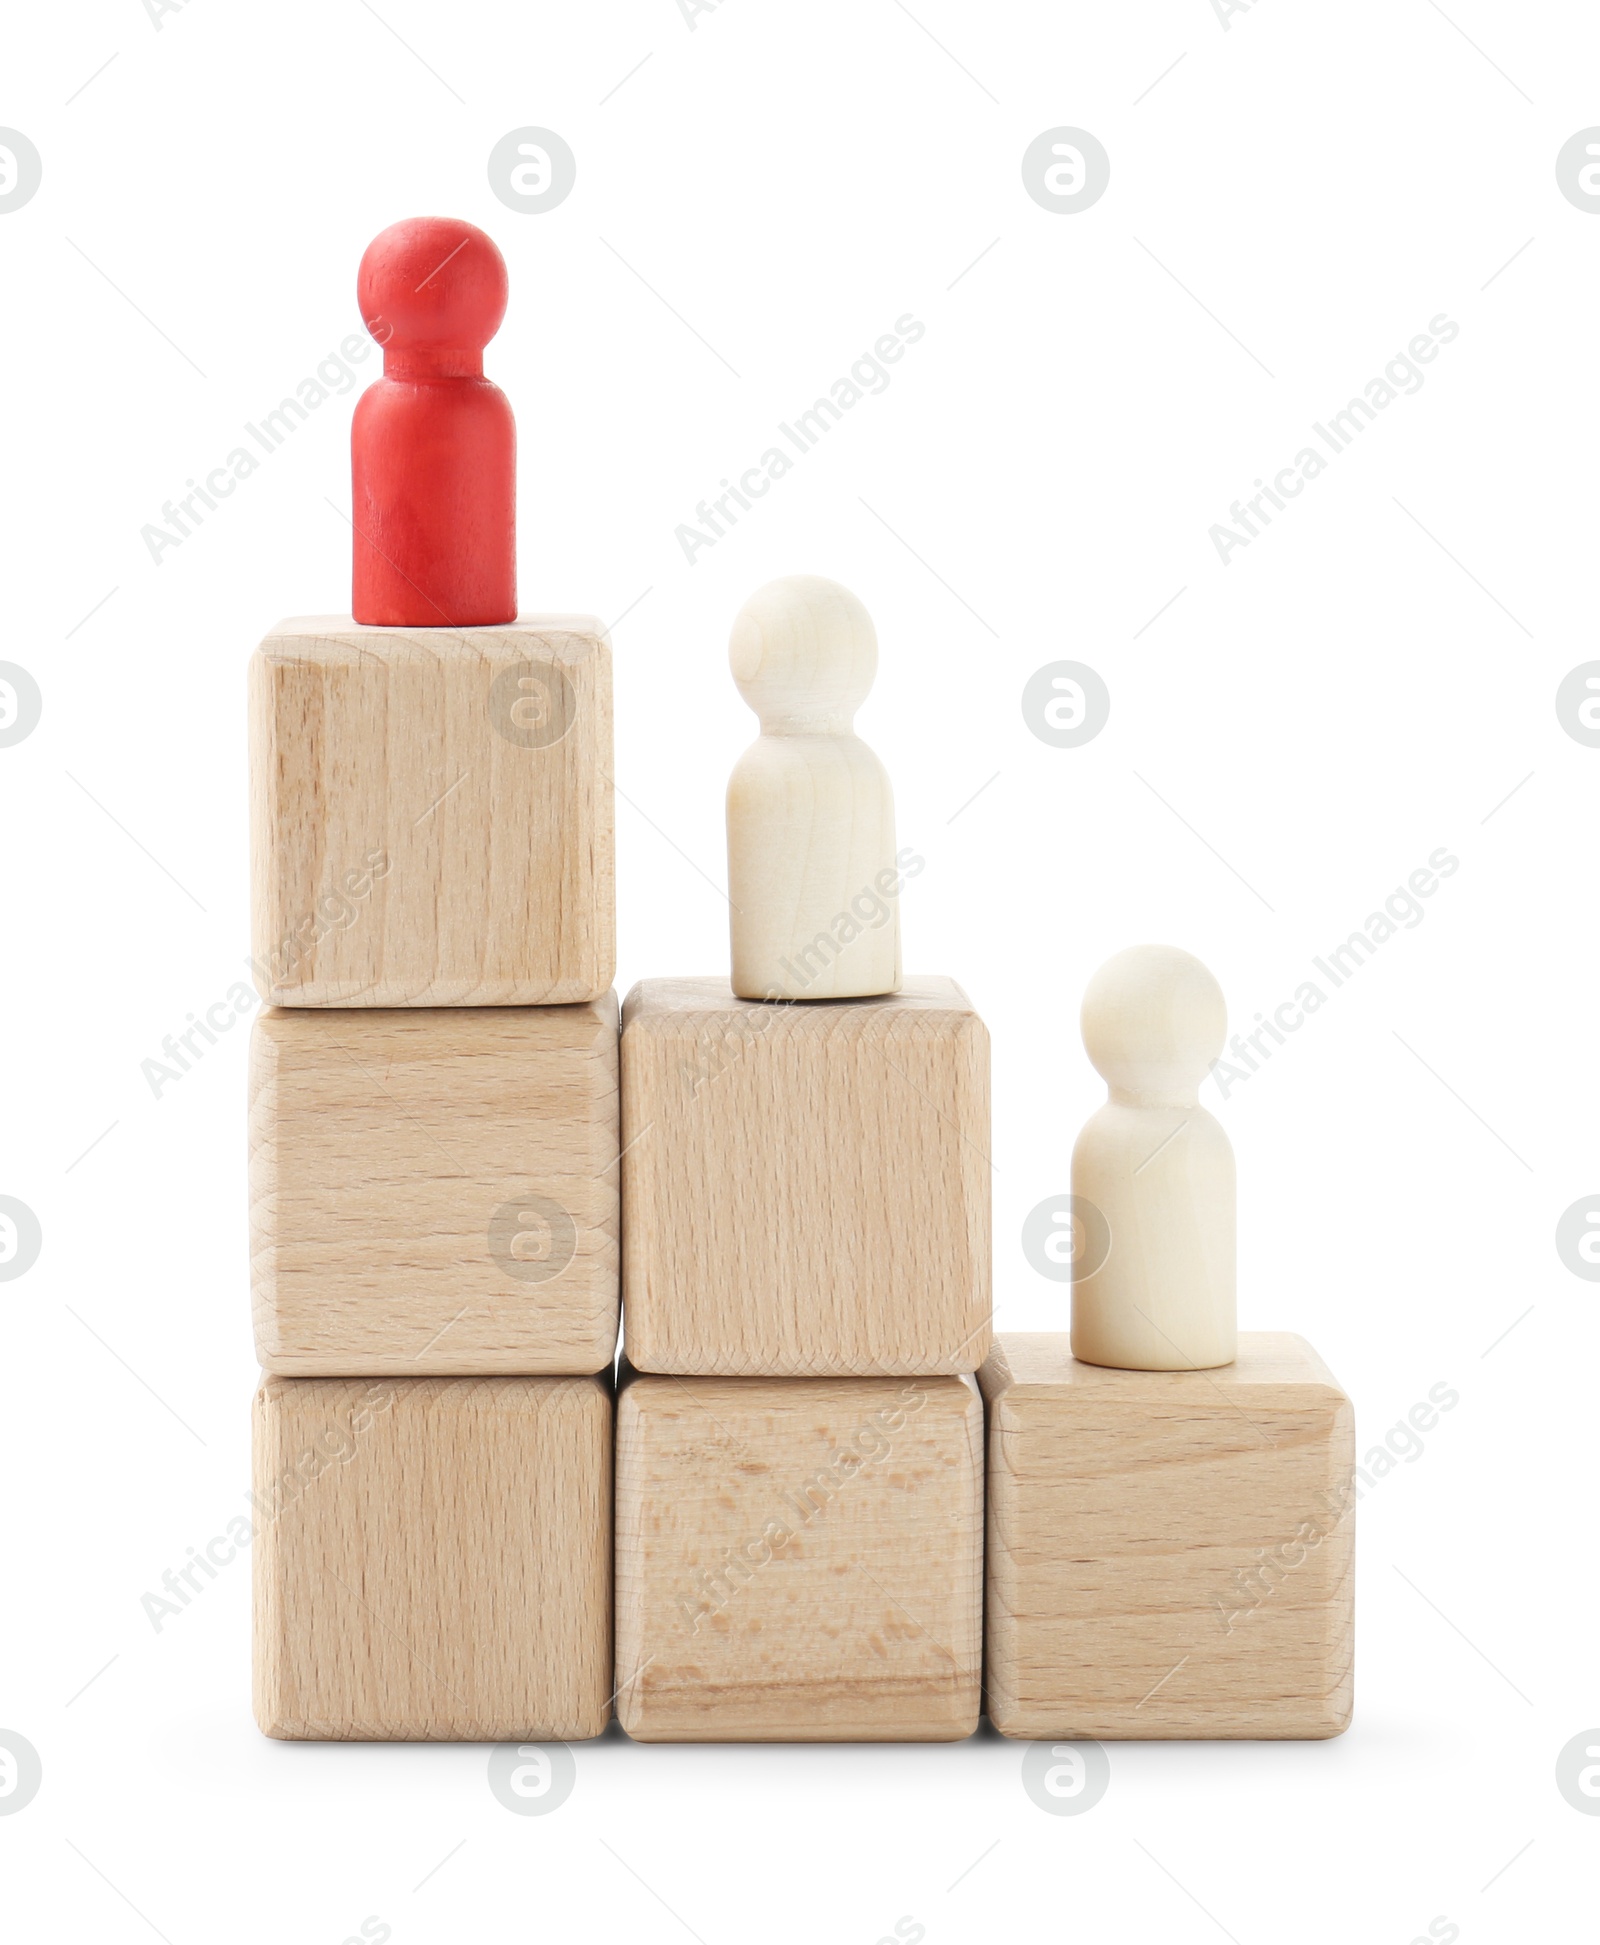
(433, 444)
(812, 878)
(1154, 1288)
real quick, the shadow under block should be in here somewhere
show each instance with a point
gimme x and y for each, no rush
(431, 814)
(799, 1559)
(1171, 1553)
(433, 1558)
(807, 1185)
(434, 1190)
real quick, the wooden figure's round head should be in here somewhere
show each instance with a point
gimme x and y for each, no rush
(803, 652)
(1154, 1020)
(432, 291)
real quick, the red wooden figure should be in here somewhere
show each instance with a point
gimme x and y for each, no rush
(433, 445)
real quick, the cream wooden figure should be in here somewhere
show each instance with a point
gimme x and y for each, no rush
(812, 879)
(1155, 1291)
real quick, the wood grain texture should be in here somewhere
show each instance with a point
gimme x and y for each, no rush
(433, 1558)
(431, 814)
(1171, 1553)
(798, 1559)
(807, 1186)
(434, 1190)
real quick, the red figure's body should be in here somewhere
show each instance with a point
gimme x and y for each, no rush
(433, 446)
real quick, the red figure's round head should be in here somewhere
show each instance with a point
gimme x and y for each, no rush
(432, 285)
(432, 443)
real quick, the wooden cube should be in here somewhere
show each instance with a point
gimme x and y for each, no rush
(434, 1190)
(433, 1558)
(1170, 1552)
(799, 1559)
(807, 1185)
(431, 814)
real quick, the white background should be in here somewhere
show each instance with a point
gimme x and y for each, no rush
(1367, 681)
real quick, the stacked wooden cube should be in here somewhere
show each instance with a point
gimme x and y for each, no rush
(464, 1164)
(806, 1293)
(434, 1200)
(437, 1164)
(443, 1167)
